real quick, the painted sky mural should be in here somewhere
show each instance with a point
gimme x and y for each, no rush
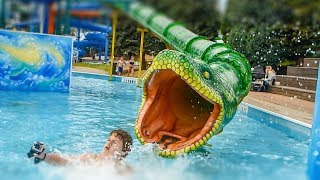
(34, 62)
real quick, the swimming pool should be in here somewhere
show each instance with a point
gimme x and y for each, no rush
(255, 145)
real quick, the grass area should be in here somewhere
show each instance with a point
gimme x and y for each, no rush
(104, 67)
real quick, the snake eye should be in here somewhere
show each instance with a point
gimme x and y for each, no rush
(206, 74)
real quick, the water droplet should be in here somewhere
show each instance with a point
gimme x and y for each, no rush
(315, 153)
(195, 117)
(198, 102)
(192, 106)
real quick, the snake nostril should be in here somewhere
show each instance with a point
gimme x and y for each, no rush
(146, 132)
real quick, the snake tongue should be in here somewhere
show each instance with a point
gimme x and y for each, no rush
(168, 139)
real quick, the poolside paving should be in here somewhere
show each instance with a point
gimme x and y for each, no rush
(298, 109)
(287, 106)
(88, 70)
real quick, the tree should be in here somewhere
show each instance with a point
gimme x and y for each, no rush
(269, 32)
(127, 37)
(255, 43)
(201, 17)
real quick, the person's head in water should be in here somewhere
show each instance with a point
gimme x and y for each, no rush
(119, 144)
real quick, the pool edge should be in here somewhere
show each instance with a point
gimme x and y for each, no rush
(280, 116)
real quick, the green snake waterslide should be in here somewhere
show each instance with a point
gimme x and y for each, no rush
(189, 93)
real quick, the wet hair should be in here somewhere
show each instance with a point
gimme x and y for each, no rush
(126, 140)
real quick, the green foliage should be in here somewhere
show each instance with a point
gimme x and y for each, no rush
(152, 44)
(200, 17)
(254, 12)
(264, 45)
(127, 37)
(268, 32)
(255, 43)
(306, 12)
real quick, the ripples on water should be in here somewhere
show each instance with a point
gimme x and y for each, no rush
(82, 120)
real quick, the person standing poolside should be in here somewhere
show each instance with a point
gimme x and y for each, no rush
(120, 65)
(131, 67)
(117, 147)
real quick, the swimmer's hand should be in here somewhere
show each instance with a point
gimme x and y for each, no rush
(38, 150)
(41, 156)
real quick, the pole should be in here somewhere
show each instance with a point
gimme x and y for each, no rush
(106, 48)
(41, 17)
(46, 17)
(78, 37)
(314, 150)
(58, 21)
(142, 31)
(66, 29)
(114, 26)
(51, 18)
(2, 14)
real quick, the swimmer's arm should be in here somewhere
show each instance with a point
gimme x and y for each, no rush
(55, 159)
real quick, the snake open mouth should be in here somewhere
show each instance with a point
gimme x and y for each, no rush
(175, 115)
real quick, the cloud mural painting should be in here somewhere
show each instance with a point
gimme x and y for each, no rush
(34, 62)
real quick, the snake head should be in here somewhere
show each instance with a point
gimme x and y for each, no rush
(185, 102)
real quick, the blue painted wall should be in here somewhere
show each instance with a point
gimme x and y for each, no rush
(35, 62)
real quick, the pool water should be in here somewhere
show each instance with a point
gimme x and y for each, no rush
(80, 121)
